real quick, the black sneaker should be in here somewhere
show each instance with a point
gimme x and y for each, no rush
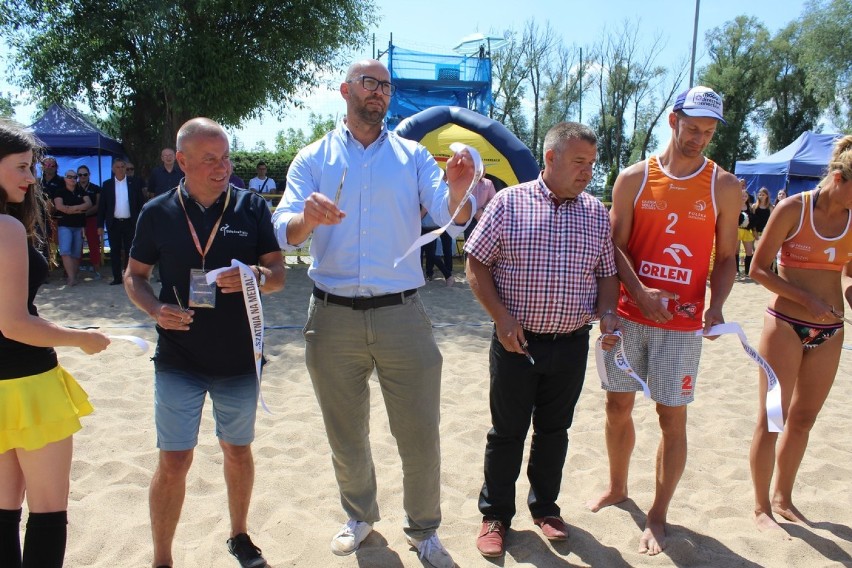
(245, 551)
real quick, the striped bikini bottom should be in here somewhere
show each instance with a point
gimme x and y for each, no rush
(810, 334)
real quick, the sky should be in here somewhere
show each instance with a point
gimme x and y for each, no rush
(436, 26)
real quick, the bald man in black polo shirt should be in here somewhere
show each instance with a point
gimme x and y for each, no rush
(199, 226)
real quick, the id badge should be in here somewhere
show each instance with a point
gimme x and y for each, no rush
(201, 294)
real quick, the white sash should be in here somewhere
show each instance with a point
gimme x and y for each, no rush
(774, 414)
(254, 312)
(140, 343)
(620, 359)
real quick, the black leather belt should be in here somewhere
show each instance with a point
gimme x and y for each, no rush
(366, 302)
(530, 336)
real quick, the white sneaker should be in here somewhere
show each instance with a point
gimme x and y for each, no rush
(432, 551)
(350, 537)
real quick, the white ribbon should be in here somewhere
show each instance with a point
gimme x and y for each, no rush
(774, 414)
(254, 312)
(478, 172)
(620, 359)
(140, 343)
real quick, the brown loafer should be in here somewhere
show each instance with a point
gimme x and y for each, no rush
(553, 528)
(489, 543)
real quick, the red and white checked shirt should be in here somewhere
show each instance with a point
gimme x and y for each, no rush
(545, 257)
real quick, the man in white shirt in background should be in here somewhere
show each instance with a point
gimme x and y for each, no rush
(122, 198)
(262, 183)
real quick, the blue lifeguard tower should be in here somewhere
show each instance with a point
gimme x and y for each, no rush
(425, 80)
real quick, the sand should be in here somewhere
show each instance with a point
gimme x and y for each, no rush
(295, 509)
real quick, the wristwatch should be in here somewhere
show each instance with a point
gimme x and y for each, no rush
(261, 277)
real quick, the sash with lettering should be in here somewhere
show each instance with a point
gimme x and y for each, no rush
(254, 312)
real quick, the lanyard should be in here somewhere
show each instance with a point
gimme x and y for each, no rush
(192, 228)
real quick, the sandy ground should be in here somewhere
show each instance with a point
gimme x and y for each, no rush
(295, 508)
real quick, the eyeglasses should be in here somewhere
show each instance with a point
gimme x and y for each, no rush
(81, 174)
(70, 177)
(372, 84)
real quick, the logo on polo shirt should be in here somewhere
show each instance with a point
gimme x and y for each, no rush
(227, 230)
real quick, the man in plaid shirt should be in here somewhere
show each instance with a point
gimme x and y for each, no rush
(541, 263)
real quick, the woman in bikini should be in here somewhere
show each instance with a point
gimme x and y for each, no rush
(803, 327)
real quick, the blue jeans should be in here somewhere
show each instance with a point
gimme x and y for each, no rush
(70, 241)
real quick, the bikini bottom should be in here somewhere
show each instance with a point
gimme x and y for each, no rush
(810, 334)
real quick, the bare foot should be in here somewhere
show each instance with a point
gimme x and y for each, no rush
(765, 523)
(789, 512)
(608, 498)
(653, 540)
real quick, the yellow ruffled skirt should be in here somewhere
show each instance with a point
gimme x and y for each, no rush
(40, 409)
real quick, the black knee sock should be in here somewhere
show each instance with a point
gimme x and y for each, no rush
(738, 263)
(747, 262)
(44, 543)
(10, 538)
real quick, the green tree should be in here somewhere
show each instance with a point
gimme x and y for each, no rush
(563, 88)
(508, 75)
(292, 140)
(793, 106)
(536, 72)
(739, 68)
(7, 106)
(156, 64)
(538, 48)
(633, 92)
(827, 56)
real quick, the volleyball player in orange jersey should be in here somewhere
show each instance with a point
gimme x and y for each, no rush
(803, 328)
(665, 215)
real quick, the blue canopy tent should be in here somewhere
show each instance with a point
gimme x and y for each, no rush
(75, 142)
(796, 168)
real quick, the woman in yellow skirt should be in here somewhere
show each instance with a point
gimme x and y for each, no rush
(40, 403)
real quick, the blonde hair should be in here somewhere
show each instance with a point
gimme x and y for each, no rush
(841, 159)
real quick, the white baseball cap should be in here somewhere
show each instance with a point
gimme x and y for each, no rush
(700, 101)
